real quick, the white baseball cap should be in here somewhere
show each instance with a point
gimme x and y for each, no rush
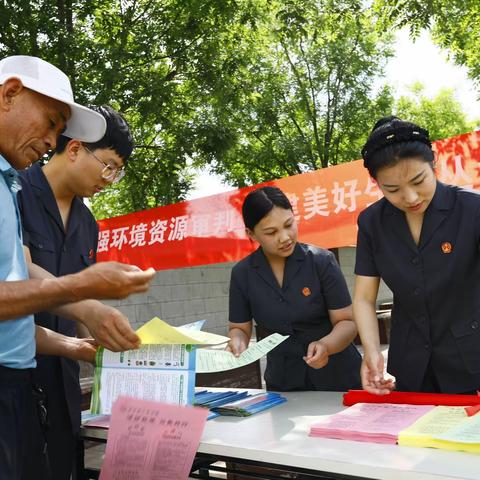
(42, 77)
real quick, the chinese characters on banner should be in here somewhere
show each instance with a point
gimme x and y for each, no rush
(326, 204)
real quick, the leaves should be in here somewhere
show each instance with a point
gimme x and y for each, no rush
(454, 24)
(442, 115)
(308, 97)
(251, 89)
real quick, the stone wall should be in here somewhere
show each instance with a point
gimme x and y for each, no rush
(182, 296)
(187, 294)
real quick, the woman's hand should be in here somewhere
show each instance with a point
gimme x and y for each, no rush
(239, 334)
(237, 345)
(317, 355)
(371, 373)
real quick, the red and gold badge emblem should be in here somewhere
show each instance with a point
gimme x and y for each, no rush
(446, 247)
(306, 292)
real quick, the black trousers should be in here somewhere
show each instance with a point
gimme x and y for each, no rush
(62, 442)
(21, 437)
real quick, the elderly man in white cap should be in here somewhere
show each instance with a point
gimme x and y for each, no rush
(36, 105)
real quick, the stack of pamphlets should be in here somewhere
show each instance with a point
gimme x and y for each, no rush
(448, 428)
(369, 422)
(212, 399)
(236, 403)
(209, 399)
(250, 405)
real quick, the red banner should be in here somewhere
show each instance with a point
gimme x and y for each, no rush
(326, 203)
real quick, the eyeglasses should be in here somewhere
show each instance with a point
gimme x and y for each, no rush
(109, 173)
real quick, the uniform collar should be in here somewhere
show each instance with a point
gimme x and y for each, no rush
(259, 259)
(442, 202)
(44, 192)
(443, 199)
(292, 265)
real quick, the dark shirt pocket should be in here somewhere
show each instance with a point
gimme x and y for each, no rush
(40, 243)
(42, 251)
(467, 339)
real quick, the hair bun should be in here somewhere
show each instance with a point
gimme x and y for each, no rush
(391, 130)
(384, 121)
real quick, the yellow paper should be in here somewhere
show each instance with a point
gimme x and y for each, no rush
(465, 436)
(448, 428)
(158, 332)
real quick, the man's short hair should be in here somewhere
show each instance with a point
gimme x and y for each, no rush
(117, 135)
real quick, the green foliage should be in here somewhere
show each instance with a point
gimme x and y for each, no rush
(307, 98)
(455, 25)
(442, 115)
(150, 60)
(252, 89)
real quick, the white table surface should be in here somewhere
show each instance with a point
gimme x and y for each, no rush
(280, 436)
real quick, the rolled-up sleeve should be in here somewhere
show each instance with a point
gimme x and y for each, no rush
(239, 304)
(364, 261)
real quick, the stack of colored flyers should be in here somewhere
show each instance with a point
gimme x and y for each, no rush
(369, 422)
(250, 405)
(215, 399)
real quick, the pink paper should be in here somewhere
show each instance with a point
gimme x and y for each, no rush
(150, 440)
(370, 422)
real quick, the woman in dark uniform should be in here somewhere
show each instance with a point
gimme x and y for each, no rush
(423, 240)
(293, 289)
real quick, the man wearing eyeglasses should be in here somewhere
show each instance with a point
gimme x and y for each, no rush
(36, 105)
(60, 237)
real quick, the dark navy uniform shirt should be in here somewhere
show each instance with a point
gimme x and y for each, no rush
(312, 284)
(436, 312)
(60, 252)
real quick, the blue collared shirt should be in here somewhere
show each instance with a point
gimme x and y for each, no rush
(17, 336)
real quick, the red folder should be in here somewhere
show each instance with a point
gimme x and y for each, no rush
(413, 398)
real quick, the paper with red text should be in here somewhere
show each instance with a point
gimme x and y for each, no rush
(151, 440)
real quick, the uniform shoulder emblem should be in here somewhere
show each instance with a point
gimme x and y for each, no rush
(306, 292)
(446, 247)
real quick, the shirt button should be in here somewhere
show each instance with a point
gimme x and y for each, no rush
(415, 260)
(474, 325)
(422, 318)
(427, 346)
(280, 299)
(40, 245)
(417, 291)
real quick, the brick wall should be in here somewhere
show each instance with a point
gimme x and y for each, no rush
(187, 294)
(182, 296)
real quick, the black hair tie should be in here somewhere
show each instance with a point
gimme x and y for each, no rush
(392, 134)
